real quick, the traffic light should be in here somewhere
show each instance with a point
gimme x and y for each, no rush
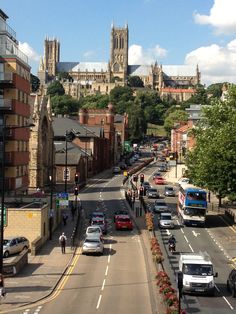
(76, 191)
(135, 178)
(141, 178)
(76, 178)
(141, 191)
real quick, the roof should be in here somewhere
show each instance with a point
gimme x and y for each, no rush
(82, 66)
(179, 70)
(62, 124)
(139, 70)
(74, 153)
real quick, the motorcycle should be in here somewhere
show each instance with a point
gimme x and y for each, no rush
(172, 247)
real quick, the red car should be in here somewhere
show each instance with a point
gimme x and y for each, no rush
(159, 180)
(123, 222)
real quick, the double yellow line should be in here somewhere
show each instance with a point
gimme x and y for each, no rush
(58, 288)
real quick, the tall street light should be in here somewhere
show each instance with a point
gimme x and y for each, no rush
(4, 128)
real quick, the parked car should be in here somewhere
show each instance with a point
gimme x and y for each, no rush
(160, 206)
(92, 245)
(159, 180)
(231, 283)
(152, 193)
(166, 221)
(120, 212)
(183, 180)
(169, 191)
(13, 245)
(101, 223)
(116, 170)
(123, 222)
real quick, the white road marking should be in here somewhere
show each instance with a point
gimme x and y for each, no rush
(191, 248)
(109, 258)
(231, 307)
(99, 301)
(186, 239)
(168, 232)
(103, 284)
(106, 271)
(110, 247)
(182, 230)
(195, 233)
(38, 309)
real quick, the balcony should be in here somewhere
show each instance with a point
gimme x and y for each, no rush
(5, 29)
(5, 104)
(10, 49)
(6, 78)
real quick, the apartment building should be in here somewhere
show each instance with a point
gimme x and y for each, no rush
(14, 111)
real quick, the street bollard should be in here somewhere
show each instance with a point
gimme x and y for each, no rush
(137, 211)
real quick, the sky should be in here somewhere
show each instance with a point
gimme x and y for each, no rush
(171, 32)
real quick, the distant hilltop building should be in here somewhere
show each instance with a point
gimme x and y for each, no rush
(171, 81)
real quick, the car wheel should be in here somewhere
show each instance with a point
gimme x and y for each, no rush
(6, 254)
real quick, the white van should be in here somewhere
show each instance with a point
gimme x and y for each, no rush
(198, 275)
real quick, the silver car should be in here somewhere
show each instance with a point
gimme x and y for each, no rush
(92, 245)
(13, 245)
(166, 221)
(160, 206)
(169, 191)
(153, 193)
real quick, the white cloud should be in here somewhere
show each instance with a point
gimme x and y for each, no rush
(222, 17)
(139, 55)
(29, 52)
(216, 63)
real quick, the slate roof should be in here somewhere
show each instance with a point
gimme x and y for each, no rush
(82, 66)
(62, 124)
(139, 70)
(179, 70)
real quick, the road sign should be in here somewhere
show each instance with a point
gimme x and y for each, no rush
(62, 199)
(4, 215)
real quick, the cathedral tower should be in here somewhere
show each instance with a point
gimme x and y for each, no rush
(51, 55)
(119, 51)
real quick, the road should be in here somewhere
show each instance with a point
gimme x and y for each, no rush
(217, 238)
(116, 282)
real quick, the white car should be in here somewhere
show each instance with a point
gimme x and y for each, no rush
(183, 180)
(94, 231)
(13, 245)
(92, 245)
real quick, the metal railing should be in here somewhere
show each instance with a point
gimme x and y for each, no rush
(11, 49)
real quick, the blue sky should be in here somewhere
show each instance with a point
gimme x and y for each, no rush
(172, 32)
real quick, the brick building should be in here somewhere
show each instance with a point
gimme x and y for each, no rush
(14, 110)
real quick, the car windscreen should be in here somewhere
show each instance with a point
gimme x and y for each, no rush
(152, 190)
(165, 217)
(169, 189)
(198, 269)
(190, 211)
(93, 230)
(124, 219)
(5, 242)
(160, 204)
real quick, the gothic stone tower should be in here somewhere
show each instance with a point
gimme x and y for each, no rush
(51, 55)
(119, 51)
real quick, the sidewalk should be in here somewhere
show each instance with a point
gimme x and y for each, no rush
(42, 273)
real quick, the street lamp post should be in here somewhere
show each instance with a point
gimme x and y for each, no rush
(4, 128)
(66, 170)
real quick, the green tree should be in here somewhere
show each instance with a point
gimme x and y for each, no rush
(64, 76)
(215, 90)
(55, 88)
(174, 118)
(121, 97)
(35, 83)
(200, 97)
(94, 101)
(64, 104)
(212, 162)
(135, 81)
(137, 121)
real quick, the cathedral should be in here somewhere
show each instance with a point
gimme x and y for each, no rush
(171, 81)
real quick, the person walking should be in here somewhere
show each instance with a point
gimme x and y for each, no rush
(64, 218)
(62, 241)
(2, 287)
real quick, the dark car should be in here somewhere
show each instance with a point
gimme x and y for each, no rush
(169, 191)
(152, 193)
(231, 283)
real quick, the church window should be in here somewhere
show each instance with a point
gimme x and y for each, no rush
(116, 67)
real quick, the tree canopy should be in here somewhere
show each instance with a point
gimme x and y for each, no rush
(135, 81)
(55, 88)
(35, 83)
(212, 162)
(64, 104)
(175, 116)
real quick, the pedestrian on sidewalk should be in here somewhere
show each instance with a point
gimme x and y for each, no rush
(62, 241)
(64, 218)
(2, 288)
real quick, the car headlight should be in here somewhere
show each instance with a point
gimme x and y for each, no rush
(211, 284)
(187, 283)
